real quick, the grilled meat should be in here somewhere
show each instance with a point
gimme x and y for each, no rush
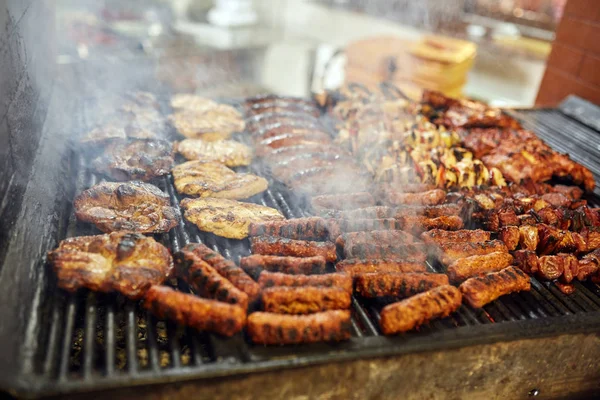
(280, 107)
(553, 267)
(380, 284)
(355, 267)
(589, 265)
(510, 235)
(409, 313)
(431, 197)
(414, 251)
(280, 130)
(527, 261)
(227, 218)
(118, 128)
(268, 245)
(196, 123)
(384, 237)
(123, 262)
(311, 228)
(213, 179)
(565, 288)
(330, 180)
(125, 160)
(440, 210)
(418, 224)
(228, 152)
(372, 212)
(452, 251)
(201, 314)
(347, 201)
(481, 290)
(304, 300)
(362, 225)
(464, 268)
(528, 237)
(225, 268)
(288, 173)
(269, 279)
(254, 264)
(291, 142)
(192, 102)
(285, 138)
(206, 281)
(463, 235)
(276, 99)
(132, 206)
(276, 329)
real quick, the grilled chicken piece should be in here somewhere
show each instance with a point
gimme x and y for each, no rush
(213, 179)
(206, 281)
(431, 197)
(189, 310)
(413, 251)
(589, 265)
(452, 251)
(228, 152)
(132, 206)
(409, 313)
(277, 329)
(355, 267)
(464, 268)
(225, 268)
(192, 102)
(481, 290)
(528, 237)
(197, 122)
(269, 245)
(304, 300)
(380, 284)
(256, 263)
(123, 262)
(383, 237)
(227, 218)
(347, 201)
(553, 267)
(418, 224)
(311, 228)
(463, 235)
(510, 235)
(269, 279)
(139, 159)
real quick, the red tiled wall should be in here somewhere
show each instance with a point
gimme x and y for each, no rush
(574, 64)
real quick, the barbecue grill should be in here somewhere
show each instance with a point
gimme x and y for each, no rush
(53, 343)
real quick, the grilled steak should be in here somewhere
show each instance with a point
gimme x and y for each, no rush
(213, 179)
(189, 310)
(304, 300)
(256, 263)
(277, 329)
(228, 152)
(269, 279)
(481, 290)
(268, 245)
(132, 206)
(379, 284)
(123, 262)
(409, 313)
(138, 159)
(464, 268)
(227, 218)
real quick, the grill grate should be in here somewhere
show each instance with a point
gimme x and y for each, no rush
(98, 341)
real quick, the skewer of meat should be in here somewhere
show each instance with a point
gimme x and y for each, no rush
(462, 235)
(452, 251)
(256, 263)
(227, 269)
(269, 279)
(355, 267)
(409, 313)
(311, 228)
(277, 329)
(189, 310)
(206, 281)
(268, 245)
(384, 237)
(304, 300)
(464, 268)
(481, 290)
(431, 197)
(380, 284)
(415, 251)
(419, 223)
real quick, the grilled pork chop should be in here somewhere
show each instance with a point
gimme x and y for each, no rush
(131, 206)
(227, 218)
(213, 179)
(228, 152)
(125, 262)
(139, 159)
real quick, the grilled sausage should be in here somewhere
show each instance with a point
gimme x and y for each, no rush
(419, 223)
(452, 251)
(312, 228)
(277, 329)
(481, 290)
(434, 211)
(381, 284)
(201, 314)
(269, 279)
(464, 268)
(206, 281)
(304, 300)
(409, 313)
(431, 197)
(415, 251)
(227, 269)
(355, 267)
(387, 237)
(268, 245)
(510, 235)
(462, 235)
(373, 212)
(254, 264)
(362, 225)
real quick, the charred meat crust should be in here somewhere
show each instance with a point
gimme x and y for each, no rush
(481, 290)
(464, 268)
(268, 245)
(311, 228)
(380, 284)
(355, 267)
(304, 300)
(338, 280)
(462, 235)
(256, 263)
